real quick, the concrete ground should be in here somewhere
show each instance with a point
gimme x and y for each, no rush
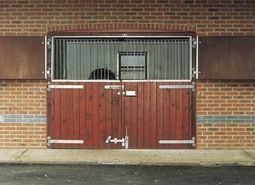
(129, 157)
(20, 174)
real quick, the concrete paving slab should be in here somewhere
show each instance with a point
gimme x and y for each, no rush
(140, 157)
(10, 155)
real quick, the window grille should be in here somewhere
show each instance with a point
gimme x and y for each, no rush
(121, 58)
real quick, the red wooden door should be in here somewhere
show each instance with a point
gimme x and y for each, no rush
(88, 114)
(155, 113)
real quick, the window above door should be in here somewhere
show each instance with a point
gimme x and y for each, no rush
(121, 58)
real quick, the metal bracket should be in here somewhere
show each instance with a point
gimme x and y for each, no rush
(49, 41)
(192, 141)
(63, 141)
(194, 72)
(194, 42)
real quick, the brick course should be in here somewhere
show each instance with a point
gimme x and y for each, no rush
(226, 135)
(22, 97)
(22, 135)
(225, 98)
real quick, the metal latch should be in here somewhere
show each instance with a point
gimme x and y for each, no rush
(123, 141)
(63, 141)
(114, 87)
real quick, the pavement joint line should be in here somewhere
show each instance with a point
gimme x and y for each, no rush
(249, 155)
(22, 153)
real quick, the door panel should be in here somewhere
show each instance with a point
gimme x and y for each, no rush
(157, 114)
(148, 116)
(90, 114)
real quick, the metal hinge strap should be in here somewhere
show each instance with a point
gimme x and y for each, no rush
(63, 141)
(192, 141)
(50, 86)
(176, 86)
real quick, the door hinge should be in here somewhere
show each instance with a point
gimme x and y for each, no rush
(194, 72)
(49, 42)
(194, 42)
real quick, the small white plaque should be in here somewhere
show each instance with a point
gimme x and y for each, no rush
(130, 93)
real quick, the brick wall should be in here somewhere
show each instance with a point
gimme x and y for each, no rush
(20, 135)
(22, 113)
(226, 114)
(206, 17)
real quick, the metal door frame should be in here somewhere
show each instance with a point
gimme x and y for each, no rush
(192, 76)
(191, 70)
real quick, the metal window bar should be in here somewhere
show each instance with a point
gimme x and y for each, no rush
(95, 58)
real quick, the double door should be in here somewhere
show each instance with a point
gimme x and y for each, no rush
(135, 115)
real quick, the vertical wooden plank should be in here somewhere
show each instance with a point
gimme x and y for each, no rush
(101, 116)
(76, 117)
(69, 110)
(166, 116)
(108, 110)
(173, 117)
(95, 115)
(146, 115)
(140, 116)
(179, 118)
(160, 114)
(56, 114)
(63, 117)
(82, 116)
(186, 115)
(126, 114)
(130, 114)
(89, 135)
(116, 115)
(133, 128)
(153, 116)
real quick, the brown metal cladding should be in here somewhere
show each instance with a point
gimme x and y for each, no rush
(22, 57)
(227, 57)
